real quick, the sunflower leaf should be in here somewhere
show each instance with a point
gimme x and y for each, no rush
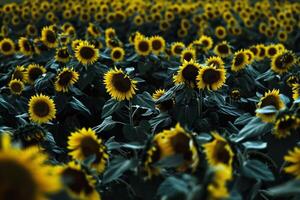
(110, 107)
(78, 105)
(107, 124)
(169, 94)
(266, 110)
(286, 189)
(144, 100)
(257, 170)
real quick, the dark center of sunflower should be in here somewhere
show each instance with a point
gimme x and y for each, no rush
(211, 76)
(239, 59)
(16, 181)
(166, 105)
(188, 56)
(31, 30)
(181, 145)
(272, 51)
(286, 123)
(190, 73)
(63, 53)
(26, 46)
(288, 58)
(16, 87)
(18, 75)
(41, 108)
(254, 50)
(214, 63)
(279, 62)
(220, 32)
(156, 45)
(65, 78)
(50, 37)
(223, 48)
(270, 101)
(90, 147)
(143, 46)
(262, 52)
(178, 49)
(34, 73)
(221, 154)
(6, 46)
(121, 82)
(205, 43)
(76, 181)
(87, 52)
(116, 54)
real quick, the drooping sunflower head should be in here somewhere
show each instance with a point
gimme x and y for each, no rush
(206, 42)
(174, 142)
(271, 98)
(77, 182)
(284, 125)
(142, 46)
(49, 37)
(7, 47)
(188, 54)
(291, 80)
(239, 62)
(293, 159)
(93, 30)
(117, 54)
(84, 143)
(187, 73)
(16, 86)
(215, 61)
(110, 33)
(283, 61)
(177, 48)
(86, 53)
(66, 78)
(158, 44)
(62, 55)
(218, 151)
(33, 72)
(19, 73)
(41, 109)
(211, 78)
(26, 48)
(163, 106)
(222, 49)
(24, 174)
(296, 91)
(119, 85)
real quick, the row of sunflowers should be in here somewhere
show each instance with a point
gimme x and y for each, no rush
(149, 99)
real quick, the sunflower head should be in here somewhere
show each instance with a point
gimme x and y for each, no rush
(142, 46)
(272, 50)
(262, 51)
(158, 44)
(211, 78)
(291, 80)
(239, 62)
(220, 32)
(30, 135)
(39, 46)
(215, 61)
(33, 72)
(235, 94)
(16, 86)
(163, 106)
(271, 98)
(283, 61)
(7, 47)
(62, 55)
(284, 125)
(187, 73)
(188, 54)
(293, 159)
(41, 109)
(66, 78)
(26, 48)
(93, 30)
(84, 143)
(19, 73)
(49, 37)
(117, 54)
(177, 48)
(250, 55)
(222, 49)
(206, 42)
(218, 151)
(110, 33)
(174, 142)
(296, 91)
(86, 53)
(119, 85)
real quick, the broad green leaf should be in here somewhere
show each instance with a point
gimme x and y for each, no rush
(286, 189)
(107, 124)
(111, 106)
(257, 170)
(78, 105)
(144, 100)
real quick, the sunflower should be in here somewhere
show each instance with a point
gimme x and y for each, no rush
(217, 189)
(49, 37)
(188, 54)
(282, 35)
(93, 30)
(62, 55)
(293, 158)
(271, 51)
(26, 48)
(283, 61)
(177, 48)
(262, 51)
(24, 175)
(296, 91)
(235, 94)
(284, 125)
(215, 61)
(206, 42)
(41, 109)
(187, 73)
(16, 86)
(75, 44)
(271, 98)
(254, 50)
(142, 46)
(5, 141)
(239, 62)
(163, 106)
(19, 73)
(218, 151)
(220, 32)
(211, 78)
(86, 53)
(222, 49)
(84, 143)
(7, 47)
(66, 78)
(77, 182)
(117, 54)
(176, 141)
(119, 85)
(250, 55)
(158, 44)
(30, 134)
(291, 80)
(33, 72)
(110, 33)
(39, 46)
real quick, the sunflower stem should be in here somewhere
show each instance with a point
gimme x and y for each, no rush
(130, 114)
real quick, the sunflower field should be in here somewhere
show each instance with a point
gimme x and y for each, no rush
(150, 100)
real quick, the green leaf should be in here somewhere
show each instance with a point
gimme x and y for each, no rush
(243, 119)
(286, 189)
(255, 145)
(77, 105)
(230, 110)
(170, 161)
(266, 110)
(110, 107)
(144, 100)
(257, 170)
(106, 125)
(162, 118)
(173, 186)
(169, 94)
